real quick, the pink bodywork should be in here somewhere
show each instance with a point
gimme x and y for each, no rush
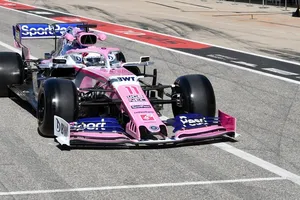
(78, 32)
(145, 116)
(227, 127)
(139, 116)
(103, 50)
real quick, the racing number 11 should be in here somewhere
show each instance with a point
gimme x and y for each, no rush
(132, 89)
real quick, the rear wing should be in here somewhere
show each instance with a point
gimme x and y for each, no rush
(23, 31)
(27, 31)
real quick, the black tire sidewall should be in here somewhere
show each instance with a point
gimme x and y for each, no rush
(197, 94)
(59, 97)
(11, 71)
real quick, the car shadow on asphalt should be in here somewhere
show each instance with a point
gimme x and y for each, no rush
(145, 147)
(23, 104)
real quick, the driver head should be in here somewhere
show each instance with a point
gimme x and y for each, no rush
(93, 59)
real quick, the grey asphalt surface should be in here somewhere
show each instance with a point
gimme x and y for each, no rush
(268, 121)
(267, 31)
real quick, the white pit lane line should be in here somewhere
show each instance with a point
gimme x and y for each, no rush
(259, 162)
(123, 187)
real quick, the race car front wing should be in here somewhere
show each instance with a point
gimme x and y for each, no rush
(108, 131)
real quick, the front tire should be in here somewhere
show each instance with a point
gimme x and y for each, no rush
(11, 71)
(197, 95)
(56, 97)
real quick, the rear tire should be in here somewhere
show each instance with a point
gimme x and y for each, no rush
(56, 97)
(197, 95)
(11, 71)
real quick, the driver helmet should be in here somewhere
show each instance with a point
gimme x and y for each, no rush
(93, 59)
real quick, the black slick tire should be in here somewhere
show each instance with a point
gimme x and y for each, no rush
(11, 71)
(197, 95)
(56, 97)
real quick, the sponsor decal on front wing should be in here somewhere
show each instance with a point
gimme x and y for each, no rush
(189, 121)
(136, 98)
(140, 106)
(147, 117)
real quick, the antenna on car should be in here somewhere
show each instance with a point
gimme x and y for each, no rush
(87, 26)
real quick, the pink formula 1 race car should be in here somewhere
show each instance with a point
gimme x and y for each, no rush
(84, 94)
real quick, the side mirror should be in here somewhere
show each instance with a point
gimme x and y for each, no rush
(59, 61)
(101, 36)
(47, 55)
(144, 59)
